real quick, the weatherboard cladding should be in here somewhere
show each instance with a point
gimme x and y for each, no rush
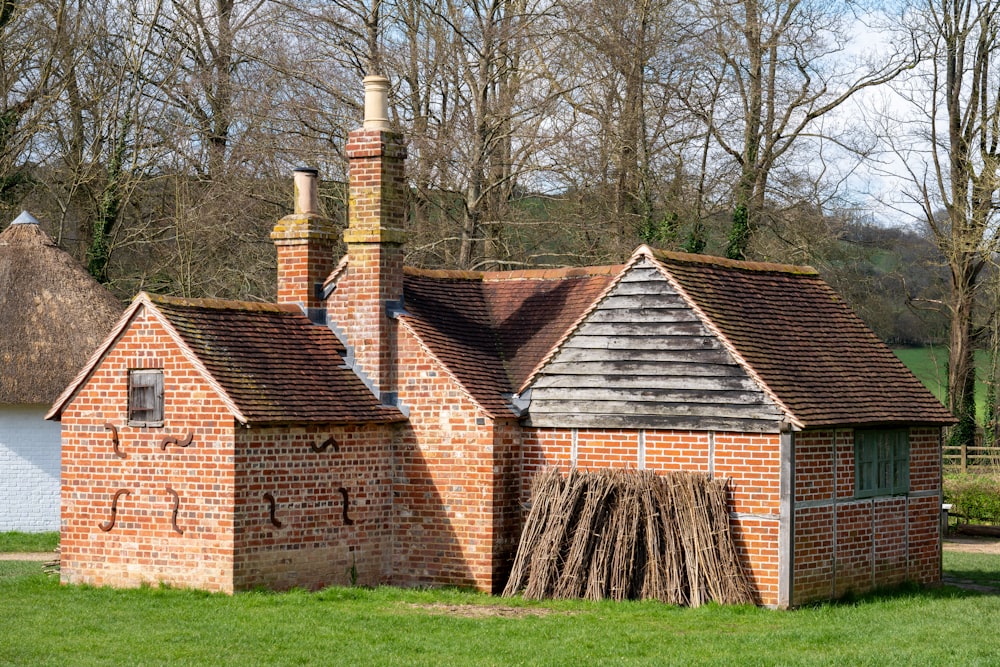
(274, 364)
(804, 343)
(643, 358)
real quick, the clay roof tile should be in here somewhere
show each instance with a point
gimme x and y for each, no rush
(274, 363)
(804, 342)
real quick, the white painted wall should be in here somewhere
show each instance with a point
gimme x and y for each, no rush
(29, 469)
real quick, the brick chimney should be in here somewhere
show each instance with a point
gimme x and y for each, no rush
(304, 241)
(374, 237)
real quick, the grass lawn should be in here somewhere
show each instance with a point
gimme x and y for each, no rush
(13, 542)
(48, 624)
(980, 568)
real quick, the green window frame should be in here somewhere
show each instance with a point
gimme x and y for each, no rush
(145, 397)
(881, 462)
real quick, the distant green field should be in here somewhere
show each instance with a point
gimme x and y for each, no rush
(930, 365)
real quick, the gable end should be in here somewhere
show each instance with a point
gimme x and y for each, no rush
(644, 359)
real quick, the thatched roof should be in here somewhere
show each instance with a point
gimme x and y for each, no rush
(52, 315)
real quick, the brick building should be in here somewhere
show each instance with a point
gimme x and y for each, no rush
(381, 424)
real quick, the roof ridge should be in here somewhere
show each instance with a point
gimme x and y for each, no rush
(220, 304)
(442, 274)
(554, 274)
(560, 273)
(742, 265)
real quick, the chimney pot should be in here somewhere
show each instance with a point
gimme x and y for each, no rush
(376, 103)
(306, 192)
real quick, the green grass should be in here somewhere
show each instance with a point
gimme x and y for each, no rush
(980, 568)
(930, 365)
(59, 625)
(12, 542)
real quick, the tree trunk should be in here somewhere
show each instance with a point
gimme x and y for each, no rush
(962, 369)
(748, 201)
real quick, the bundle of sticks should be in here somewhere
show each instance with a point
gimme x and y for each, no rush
(629, 535)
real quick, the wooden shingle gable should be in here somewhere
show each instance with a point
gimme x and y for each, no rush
(644, 358)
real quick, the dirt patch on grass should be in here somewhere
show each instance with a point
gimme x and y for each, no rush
(35, 556)
(483, 610)
(977, 545)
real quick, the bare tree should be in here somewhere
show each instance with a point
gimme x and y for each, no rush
(476, 101)
(31, 42)
(617, 61)
(953, 158)
(781, 65)
(208, 51)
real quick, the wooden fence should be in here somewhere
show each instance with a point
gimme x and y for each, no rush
(964, 457)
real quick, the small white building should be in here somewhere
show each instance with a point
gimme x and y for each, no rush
(52, 316)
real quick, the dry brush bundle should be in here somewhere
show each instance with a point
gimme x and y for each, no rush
(629, 535)
(545, 491)
(593, 514)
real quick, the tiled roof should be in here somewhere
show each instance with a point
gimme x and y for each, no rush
(532, 311)
(272, 362)
(805, 344)
(492, 328)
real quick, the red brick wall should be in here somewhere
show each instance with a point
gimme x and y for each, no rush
(452, 464)
(143, 545)
(846, 544)
(750, 461)
(678, 450)
(314, 546)
(889, 541)
(508, 476)
(374, 238)
(924, 552)
(753, 463)
(814, 557)
(853, 549)
(229, 542)
(377, 179)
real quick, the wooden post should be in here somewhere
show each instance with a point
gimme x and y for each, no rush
(965, 457)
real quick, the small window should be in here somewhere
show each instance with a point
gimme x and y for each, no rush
(881, 463)
(145, 398)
